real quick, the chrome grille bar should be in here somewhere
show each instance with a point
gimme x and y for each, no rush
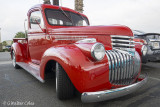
(120, 40)
(123, 42)
(120, 44)
(121, 67)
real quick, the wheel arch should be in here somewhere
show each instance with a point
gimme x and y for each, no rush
(67, 58)
(79, 68)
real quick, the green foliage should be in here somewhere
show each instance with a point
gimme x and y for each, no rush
(20, 35)
(4, 43)
(12, 42)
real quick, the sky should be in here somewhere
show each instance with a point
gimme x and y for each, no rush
(141, 15)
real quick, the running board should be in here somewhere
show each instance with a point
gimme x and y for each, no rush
(32, 69)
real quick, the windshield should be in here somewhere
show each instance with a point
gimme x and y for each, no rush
(59, 18)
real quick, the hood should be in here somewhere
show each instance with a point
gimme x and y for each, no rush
(93, 30)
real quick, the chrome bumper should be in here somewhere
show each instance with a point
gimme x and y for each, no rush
(87, 97)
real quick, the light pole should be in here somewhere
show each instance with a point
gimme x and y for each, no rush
(54, 2)
(46, 2)
(0, 35)
(0, 41)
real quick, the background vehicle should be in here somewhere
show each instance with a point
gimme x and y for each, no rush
(152, 45)
(98, 61)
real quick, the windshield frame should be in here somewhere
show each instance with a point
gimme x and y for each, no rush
(81, 16)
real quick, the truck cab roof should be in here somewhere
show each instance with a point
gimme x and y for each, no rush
(44, 6)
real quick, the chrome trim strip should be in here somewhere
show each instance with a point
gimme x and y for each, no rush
(120, 44)
(127, 68)
(122, 36)
(124, 71)
(121, 40)
(118, 67)
(121, 73)
(130, 66)
(112, 63)
(154, 40)
(88, 40)
(88, 97)
(115, 68)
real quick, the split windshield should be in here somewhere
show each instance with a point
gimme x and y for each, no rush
(65, 18)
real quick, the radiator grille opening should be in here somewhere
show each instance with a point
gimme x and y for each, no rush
(123, 68)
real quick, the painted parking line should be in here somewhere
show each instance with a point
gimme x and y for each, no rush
(154, 78)
(5, 62)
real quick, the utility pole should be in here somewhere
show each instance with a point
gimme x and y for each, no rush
(46, 2)
(0, 35)
(56, 2)
(0, 41)
(79, 5)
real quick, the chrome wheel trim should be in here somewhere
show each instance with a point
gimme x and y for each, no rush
(56, 83)
(13, 59)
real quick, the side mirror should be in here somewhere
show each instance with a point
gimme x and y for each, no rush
(35, 20)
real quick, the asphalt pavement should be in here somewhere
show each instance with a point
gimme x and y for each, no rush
(17, 86)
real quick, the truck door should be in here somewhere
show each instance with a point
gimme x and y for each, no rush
(36, 37)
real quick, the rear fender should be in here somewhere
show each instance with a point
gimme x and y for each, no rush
(19, 52)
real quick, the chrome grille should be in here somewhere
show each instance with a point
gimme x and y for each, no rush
(125, 43)
(123, 68)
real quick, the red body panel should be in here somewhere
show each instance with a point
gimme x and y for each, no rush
(138, 45)
(59, 44)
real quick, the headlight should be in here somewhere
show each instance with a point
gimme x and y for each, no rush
(145, 42)
(144, 50)
(98, 51)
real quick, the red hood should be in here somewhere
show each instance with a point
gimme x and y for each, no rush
(100, 33)
(94, 30)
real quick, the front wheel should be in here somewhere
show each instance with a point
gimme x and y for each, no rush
(14, 61)
(64, 86)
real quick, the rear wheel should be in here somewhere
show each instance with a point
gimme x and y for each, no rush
(14, 61)
(64, 86)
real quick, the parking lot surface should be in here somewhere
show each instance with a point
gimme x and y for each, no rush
(17, 86)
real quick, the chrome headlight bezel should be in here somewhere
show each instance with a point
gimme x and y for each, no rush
(145, 42)
(144, 50)
(96, 51)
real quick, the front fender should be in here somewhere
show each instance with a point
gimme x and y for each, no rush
(86, 75)
(138, 48)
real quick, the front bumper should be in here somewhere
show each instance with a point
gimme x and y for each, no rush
(110, 94)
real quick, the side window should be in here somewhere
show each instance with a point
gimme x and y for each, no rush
(36, 20)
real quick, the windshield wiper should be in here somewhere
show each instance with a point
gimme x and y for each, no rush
(66, 15)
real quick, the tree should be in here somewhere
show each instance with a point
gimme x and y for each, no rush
(20, 35)
(79, 5)
(4, 43)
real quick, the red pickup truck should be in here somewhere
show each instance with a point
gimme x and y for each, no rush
(98, 61)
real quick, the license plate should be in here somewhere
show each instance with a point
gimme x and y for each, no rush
(156, 45)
